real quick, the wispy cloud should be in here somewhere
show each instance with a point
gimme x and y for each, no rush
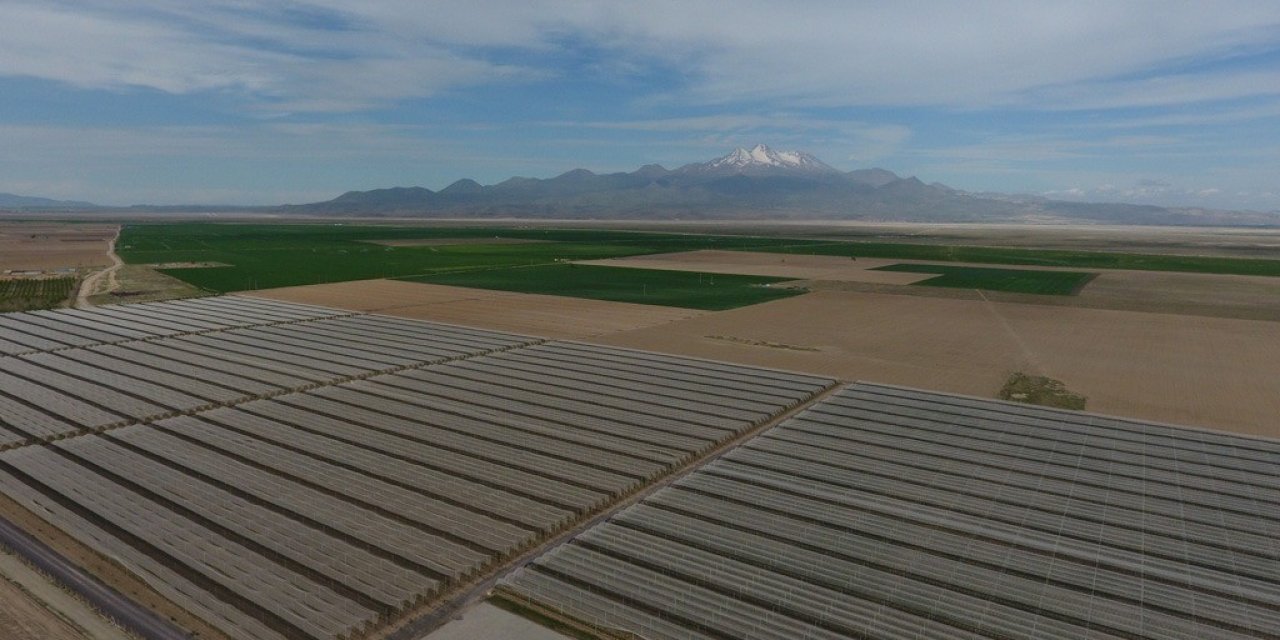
(1025, 95)
(324, 54)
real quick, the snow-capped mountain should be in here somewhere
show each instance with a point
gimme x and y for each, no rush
(755, 183)
(760, 159)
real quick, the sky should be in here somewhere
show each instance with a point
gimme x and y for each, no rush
(242, 102)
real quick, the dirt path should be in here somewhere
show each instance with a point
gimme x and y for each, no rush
(34, 608)
(90, 284)
(1032, 362)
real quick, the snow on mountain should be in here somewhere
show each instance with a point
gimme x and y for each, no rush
(762, 158)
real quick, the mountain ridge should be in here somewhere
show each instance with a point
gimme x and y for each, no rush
(758, 183)
(14, 201)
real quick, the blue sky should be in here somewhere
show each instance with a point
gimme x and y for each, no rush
(242, 102)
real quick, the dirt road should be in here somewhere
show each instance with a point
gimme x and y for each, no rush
(90, 285)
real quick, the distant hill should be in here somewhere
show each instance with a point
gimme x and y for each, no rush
(748, 184)
(11, 201)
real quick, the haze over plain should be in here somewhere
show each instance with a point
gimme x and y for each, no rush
(232, 103)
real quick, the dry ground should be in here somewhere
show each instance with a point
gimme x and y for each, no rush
(32, 607)
(1213, 372)
(549, 316)
(1225, 296)
(1221, 296)
(22, 617)
(800, 267)
(54, 245)
(142, 283)
(485, 620)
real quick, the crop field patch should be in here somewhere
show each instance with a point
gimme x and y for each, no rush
(1039, 257)
(525, 313)
(684, 289)
(23, 294)
(265, 256)
(1057, 283)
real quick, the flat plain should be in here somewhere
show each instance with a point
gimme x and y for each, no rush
(794, 267)
(54, 245)
(409, 458)
(1216, 372)
(548, 316)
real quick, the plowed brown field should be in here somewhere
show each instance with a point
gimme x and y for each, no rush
(1195, 370)
(800, 267)
(549, 316)
(53, 245)
(1214, 372)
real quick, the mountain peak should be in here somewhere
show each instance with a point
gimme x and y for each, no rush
(761, 158)
(465, 185)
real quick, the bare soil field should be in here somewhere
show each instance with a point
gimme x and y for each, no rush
(1213, 372)
(1239, 242)
(549, 316)
(800, 267)
(1199, 294)
(52, 245)
(1214, 295)
(1227, 296)
(1207, 241)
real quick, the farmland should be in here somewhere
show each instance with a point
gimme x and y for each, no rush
(684, 289)
(890, 513)
(263, 256)
(21, 294)
(1060, 283)
(1042, 257)
(547, 316)
(277, 470)
(269, 256)
(257, 468)
(1185, 369)
(49, 246)
(330, 461)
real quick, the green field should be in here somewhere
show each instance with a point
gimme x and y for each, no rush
(264, 256)
(1040, 257)
(1059, 283)
(645, 286)
(31, 294)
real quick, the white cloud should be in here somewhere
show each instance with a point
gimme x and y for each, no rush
(170, 47)
(327, 54)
